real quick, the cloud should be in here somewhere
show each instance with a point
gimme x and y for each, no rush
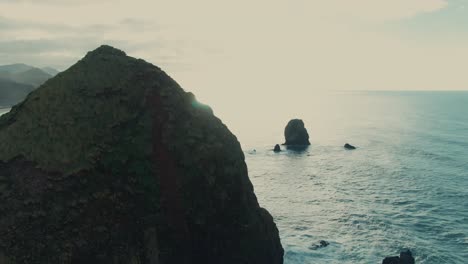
(60, 45)
(232, 46)
(370, 10)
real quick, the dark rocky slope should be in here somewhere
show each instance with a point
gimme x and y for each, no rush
(112, 162)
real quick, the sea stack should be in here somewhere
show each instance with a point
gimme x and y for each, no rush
(296, 134)
(112, 161)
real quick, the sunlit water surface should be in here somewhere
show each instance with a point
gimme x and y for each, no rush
(406, 186)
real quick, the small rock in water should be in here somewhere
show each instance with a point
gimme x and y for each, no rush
(348, 146)
(321, 244)
(324, 243)
(277, 148)
(406, 257)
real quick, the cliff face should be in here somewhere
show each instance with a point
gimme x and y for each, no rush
(112, 162)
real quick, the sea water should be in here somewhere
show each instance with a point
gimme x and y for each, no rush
(404, 187)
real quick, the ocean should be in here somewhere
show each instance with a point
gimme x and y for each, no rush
(404, 187)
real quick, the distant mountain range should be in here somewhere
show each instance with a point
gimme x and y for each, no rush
(18, 80)
(50, 71)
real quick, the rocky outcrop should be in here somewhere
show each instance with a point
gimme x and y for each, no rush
(349, 147)
(406, 257)
(112, 162)
(277, 148)
(296, 134)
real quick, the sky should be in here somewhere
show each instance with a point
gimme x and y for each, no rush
(235, 53)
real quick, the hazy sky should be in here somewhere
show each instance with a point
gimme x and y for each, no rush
(244, 50)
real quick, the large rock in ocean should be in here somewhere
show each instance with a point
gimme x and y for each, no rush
(296, 134)
(112, 162)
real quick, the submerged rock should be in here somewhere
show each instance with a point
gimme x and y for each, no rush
(112, 162)
(348, 146)
(321, 244)
(296, 134)
(277, 148)
(406, 257)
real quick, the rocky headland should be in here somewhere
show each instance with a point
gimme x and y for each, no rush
(112, 161)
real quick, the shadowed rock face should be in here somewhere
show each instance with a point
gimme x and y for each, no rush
(296, 134)
(112, 162)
